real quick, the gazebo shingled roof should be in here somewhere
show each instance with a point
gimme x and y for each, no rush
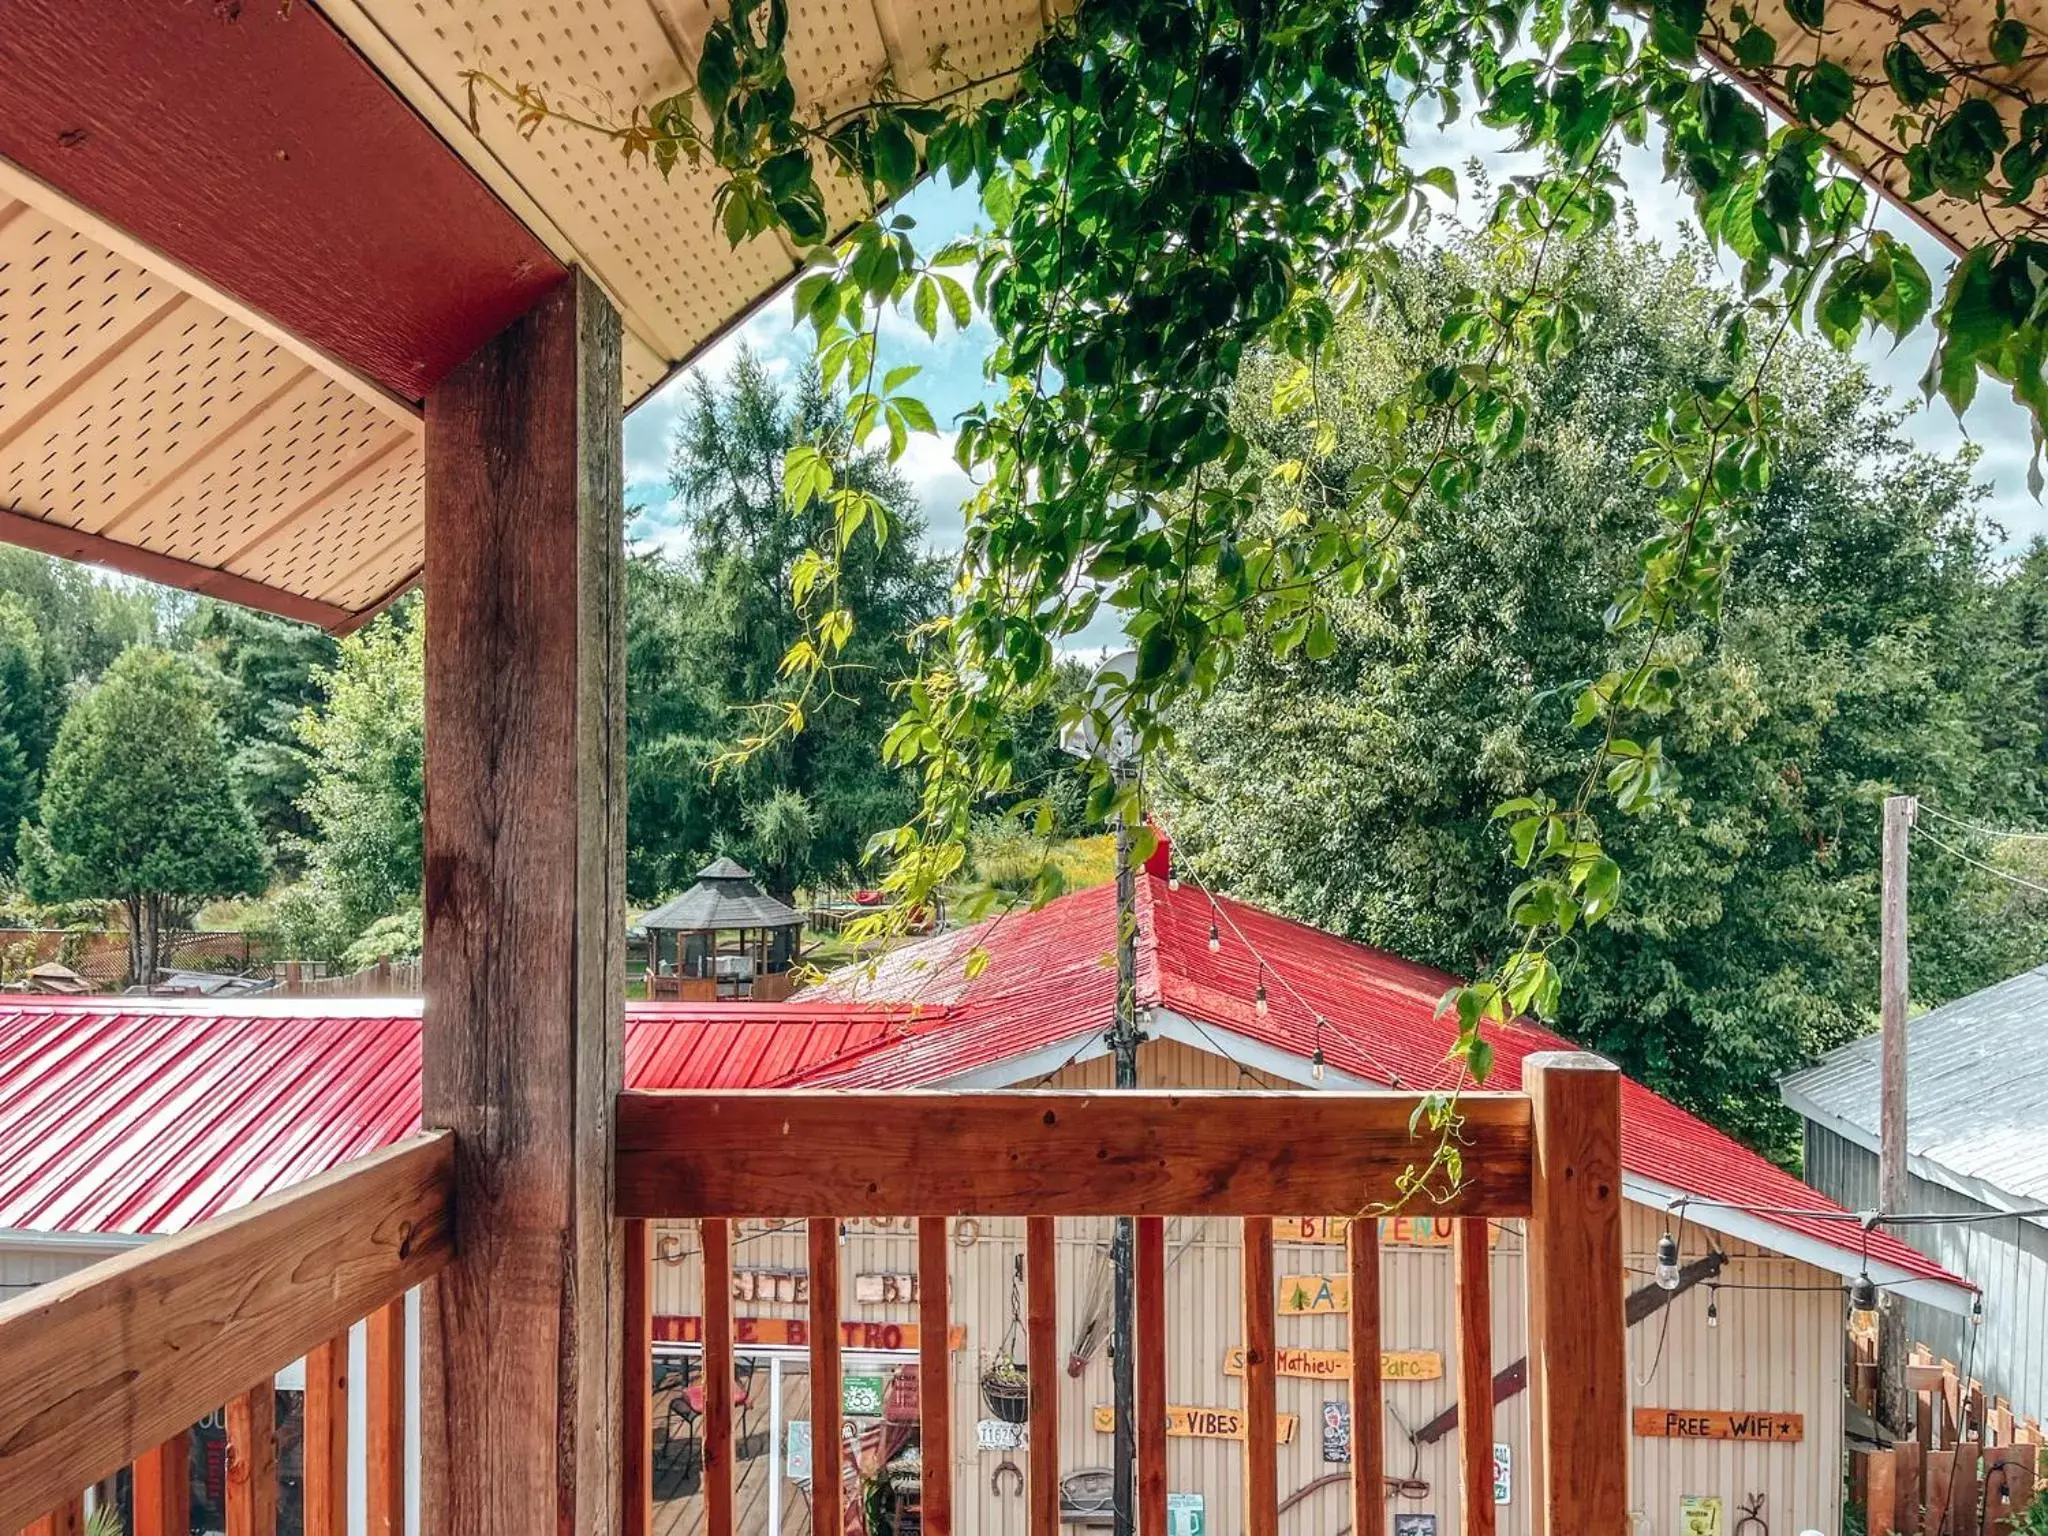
(240, 244)
(724, 897)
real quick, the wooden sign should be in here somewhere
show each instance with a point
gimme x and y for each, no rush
(791, 1285)
(1314, 1295)
(885, 1288)
(1187, 1423)
(1335, 1364)
(1717, 1424)
(1395, 1231)
(795, 1333)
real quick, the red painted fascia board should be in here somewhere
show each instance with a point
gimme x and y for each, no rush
(248, 141)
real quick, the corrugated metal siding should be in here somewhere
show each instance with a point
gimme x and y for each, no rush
(1778, 1350)
(2008, 1259)
(23, 1269)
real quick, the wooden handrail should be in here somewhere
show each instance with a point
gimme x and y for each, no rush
(1051, 1154)
(106, 1365)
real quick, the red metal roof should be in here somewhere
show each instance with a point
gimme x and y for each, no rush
(118, 1120)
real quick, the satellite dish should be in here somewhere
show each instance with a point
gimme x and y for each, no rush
(1107, 688)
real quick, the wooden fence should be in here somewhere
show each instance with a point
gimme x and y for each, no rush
(1971, 1467)
(387, 978)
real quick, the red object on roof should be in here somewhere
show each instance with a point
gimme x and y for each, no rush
(114, 1119)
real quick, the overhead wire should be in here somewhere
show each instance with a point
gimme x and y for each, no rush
(2003, 834)
(1990, 869)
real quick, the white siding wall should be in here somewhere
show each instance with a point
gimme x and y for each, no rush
(1778, 1350)
(2008, 1258)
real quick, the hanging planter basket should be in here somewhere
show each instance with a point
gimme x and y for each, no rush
(1007, 1391)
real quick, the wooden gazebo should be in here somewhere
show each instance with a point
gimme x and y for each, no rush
(722, 938)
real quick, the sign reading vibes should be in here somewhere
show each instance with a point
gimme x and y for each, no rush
(1187, 1423)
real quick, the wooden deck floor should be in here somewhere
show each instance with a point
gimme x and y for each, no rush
(679, 1506)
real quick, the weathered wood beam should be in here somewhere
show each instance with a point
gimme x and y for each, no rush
(1052, 1153)
(107, 1365)
(525, 909)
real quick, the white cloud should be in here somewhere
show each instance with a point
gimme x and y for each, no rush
(941, 486)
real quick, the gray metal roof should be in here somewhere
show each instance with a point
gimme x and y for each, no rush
(1976, 1093)
(724, 896)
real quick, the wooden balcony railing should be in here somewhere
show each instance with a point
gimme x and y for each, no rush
(1550, 1155)
(108, 1368)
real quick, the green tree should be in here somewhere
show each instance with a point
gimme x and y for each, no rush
(1357, 789)
(366, 795)
(268, 673)
(707, 632)
(137, 804)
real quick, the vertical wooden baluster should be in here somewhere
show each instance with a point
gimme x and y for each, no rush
(67, 1519)
(324, 1488)
(1473, 1278)
(1578, 1370)
(384, 1420)
(1151, 1364)
(1261, 1416)
(718, 1377)
(1368, 1413)
(828, 1457)
(163, 1489)
(1041, 1286)
(636, 1385)
(934, 1375)
(252, 1462)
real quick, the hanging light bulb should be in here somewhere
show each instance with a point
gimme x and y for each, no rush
(1863, 1296)
(1667, 1262)
(1215, 939)
(1714, 1307)
(1977, 1311)
(1259, 996)
(1172, 874)
(1315, 1065)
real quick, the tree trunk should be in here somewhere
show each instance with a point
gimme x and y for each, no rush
(134, 906)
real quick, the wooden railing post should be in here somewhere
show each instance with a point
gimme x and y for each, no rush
(525, 922)
(1578, 1373)
(636, 1410)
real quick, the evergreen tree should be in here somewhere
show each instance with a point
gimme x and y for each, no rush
(137, 804)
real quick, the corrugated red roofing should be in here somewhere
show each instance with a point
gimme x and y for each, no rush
(121, 1118)
(1047, 981)
(118, 1119)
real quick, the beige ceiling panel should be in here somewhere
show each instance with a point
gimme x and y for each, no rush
(363, 541)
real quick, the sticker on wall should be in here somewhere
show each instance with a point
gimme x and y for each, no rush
(1188, 1423)
(860, 1397)
(1503, 1474)
(1713, 1424)
(1001, 1435)
(1335, 1364)
(1699, 1514)
(1415, 1525)
(796, 1454)
(1337, 1432)
(1184, 1516)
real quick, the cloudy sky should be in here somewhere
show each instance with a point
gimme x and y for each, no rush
(952, 378)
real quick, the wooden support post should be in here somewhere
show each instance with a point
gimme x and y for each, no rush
(1151, 1279)
(1261, 1380)
(636, 1410)
(384, 1420)
(718, 1377)
(1578, 1372)
(934, 1376)
(1472, 1270)
(324, 1499)
(828, 1454)
(162, 1489)
(252, 1462)
(1368, 1410)
(1894, 1404)
(1042, 1349)
(524, 922)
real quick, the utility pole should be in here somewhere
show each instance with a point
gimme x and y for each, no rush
(1123, 1040)
(1894, 1403)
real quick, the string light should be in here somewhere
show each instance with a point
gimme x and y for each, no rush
(1215, 939)
(1977, 1311)
(1259, 995)
(1713, 1306)
(1315, 1062)
(1667, 1262)
(1863, 1296)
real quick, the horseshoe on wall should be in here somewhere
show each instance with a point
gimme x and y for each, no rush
(995, 1478)
(1752, 1522)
